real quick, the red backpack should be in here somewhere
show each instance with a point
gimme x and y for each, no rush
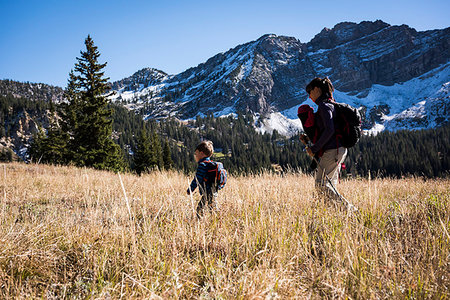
(307, 116)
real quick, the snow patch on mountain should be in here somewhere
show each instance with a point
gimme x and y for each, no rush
(401, 96)
(246, 68)
(377, 128)
(227, 111)
(279, 122)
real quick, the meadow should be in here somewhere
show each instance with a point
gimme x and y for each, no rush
(71, 233)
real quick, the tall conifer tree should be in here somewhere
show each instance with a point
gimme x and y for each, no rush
(87, 116)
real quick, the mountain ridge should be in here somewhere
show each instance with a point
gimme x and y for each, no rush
(266, 77)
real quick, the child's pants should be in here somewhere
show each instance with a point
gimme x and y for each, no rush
(330, 165)
(207, 198)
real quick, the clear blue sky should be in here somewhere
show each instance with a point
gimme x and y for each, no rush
(39, 40)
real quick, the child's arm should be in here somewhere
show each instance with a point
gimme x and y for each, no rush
(199, 176)
(192, 187)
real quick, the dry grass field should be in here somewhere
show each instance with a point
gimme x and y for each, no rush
(72, 233)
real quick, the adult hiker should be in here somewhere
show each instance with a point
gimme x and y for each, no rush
(327, 145)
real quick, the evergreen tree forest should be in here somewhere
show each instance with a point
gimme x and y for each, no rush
(419, 152)
(244, 150)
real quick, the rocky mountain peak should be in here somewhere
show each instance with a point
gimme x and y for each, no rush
(140, 79)
(267, 36)
(272, 43)
(344, 32)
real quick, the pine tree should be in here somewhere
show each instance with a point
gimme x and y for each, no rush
(50, 148)
(6, 154)
(89, 120)
(157, 151)
(54, 146)
(36, 149)
(167, 157)
(143, 156)
(68, 113)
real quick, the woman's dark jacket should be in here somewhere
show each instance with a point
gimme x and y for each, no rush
(325, 122)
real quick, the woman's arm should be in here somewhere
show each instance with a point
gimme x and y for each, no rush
(326, 113)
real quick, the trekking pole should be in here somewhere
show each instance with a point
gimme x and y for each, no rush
(349, 205)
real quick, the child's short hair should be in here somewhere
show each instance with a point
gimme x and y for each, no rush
(206, 147)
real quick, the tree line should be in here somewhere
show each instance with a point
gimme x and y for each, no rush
(239, 146)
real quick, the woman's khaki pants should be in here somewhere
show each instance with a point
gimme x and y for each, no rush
(330, 165)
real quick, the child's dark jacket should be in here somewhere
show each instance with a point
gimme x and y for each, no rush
(201, 175)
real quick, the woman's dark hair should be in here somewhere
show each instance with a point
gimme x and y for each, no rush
(324, 84)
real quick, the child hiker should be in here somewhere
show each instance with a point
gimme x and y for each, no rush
(210, 177)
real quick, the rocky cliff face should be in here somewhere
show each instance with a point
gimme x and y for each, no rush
(22, 118)
(376, 53)
(267, 77)
(22, 127)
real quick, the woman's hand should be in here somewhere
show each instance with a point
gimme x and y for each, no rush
(304, 138)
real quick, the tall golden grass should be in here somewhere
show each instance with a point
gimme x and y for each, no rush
(76, 233)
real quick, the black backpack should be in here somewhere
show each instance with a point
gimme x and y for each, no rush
(347, 124)
(216, 175)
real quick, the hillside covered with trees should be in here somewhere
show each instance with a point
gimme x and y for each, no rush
(242, 149)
